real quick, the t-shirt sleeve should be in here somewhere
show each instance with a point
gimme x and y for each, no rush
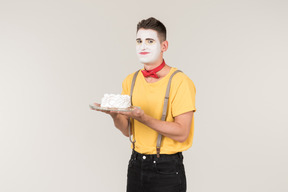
(124, 88)
(184, 97)
(126, 85)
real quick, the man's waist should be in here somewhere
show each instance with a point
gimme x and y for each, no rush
(137, 155)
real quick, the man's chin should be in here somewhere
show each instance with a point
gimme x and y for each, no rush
(145, 61)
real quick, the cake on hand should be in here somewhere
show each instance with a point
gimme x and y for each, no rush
(116, 101)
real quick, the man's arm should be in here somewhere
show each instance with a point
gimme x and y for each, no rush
(177, 130)
(120, 121)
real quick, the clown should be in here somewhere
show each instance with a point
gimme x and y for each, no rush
(162, 124)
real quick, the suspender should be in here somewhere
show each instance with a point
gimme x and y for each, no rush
(164, 111)
(130, 120)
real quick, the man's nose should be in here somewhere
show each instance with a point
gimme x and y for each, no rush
(143, 45)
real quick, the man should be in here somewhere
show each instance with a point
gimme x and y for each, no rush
(158, 168)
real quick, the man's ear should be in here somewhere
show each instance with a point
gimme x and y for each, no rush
(164, 46)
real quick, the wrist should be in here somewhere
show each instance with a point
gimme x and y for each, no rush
(113, 115)
(142, 118)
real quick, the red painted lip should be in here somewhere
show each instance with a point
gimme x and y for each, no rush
(144, 53)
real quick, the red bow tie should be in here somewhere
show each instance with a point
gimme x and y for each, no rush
(152, 73)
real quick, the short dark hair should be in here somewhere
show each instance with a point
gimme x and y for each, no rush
(154, 24)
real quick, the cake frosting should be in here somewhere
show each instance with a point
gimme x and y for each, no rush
(116, 101)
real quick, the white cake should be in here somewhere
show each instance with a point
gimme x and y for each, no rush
(116, 101)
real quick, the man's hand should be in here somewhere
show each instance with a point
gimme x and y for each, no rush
(137, 113)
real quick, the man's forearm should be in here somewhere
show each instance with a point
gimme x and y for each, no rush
(175, 130)
(121, 123)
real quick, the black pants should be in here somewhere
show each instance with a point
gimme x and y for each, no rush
(147, 173)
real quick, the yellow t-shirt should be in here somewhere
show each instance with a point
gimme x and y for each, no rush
(150, 97)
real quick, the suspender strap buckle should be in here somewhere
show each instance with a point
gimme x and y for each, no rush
(158, 151)
(133, 143)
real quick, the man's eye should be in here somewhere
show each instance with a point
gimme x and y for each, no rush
(150, 42)
(138, 42)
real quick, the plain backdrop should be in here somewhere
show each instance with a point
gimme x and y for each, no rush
(57, 57)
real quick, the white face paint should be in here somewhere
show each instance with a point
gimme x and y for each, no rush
(148, 46)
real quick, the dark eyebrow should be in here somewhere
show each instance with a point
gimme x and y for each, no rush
(146, 39)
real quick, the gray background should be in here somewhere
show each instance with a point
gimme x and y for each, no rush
(57, 57)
